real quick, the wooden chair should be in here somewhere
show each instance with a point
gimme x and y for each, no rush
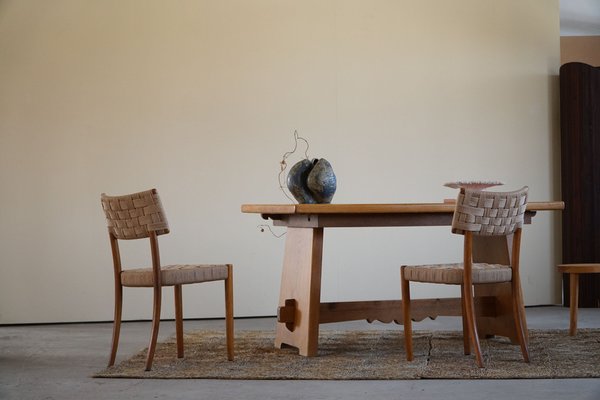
(138, 216)
(477, 213)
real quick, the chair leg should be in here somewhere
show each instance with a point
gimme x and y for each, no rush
(179, 320)
(116, 324)
(155, 326)
(519, 315)
(229, 312)
(407, 322)
(574, 300)
(467, 294)
(466, 336)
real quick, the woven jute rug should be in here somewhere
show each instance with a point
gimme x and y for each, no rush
(377, 355)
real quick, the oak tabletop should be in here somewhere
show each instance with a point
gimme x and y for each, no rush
(401, 208)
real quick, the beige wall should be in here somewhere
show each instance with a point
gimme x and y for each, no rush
(200, 99)
(585, 49)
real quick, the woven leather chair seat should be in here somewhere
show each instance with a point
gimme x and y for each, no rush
(174, 275)
(453, 273)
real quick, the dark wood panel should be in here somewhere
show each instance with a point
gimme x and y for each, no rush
(580, 174)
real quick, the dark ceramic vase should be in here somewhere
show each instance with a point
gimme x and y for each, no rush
(322, 182)
(297, 182)
(312, 181)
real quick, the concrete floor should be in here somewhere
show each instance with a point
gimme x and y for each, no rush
(56, 361)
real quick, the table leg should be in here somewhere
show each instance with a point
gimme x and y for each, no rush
(300, 292)
(497, 250)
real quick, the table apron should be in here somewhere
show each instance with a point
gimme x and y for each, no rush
(367, 220)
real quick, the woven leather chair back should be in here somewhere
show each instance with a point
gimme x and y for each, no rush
(489, 213)
(134, 216)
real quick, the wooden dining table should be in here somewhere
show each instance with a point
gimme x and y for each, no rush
(300, 310)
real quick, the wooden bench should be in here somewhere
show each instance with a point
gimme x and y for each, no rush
(574, 270)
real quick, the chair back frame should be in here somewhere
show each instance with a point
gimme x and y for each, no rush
(489, 213)
(135, 216)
